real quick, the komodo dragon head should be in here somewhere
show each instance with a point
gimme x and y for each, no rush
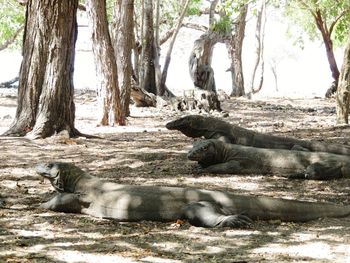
(62, 176)
(205, 152)
(197, 126)
(191, 125)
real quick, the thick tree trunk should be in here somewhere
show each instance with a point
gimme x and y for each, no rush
(45, 92)
(123, 44)
(106, 66)
(343, 91)
(147, 71)
(234, 48)
(202, 73)
(200, 68)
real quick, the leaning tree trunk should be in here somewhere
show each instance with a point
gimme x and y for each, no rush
(147, 77)
(123, 44)
(170, 49)
(234, 48)
(259, 50)
(326, 36)
(106, 65)
(45, 92)
(343, 91)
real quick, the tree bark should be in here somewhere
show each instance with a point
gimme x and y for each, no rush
(147, 71)
(123, 44)
(343, 90)
(200, 68)
(234, 48)
(106, 66)
(326, 36)
(45, 92)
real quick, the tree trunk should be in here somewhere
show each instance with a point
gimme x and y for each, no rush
(123, 44)
(234, 47)
(259, 49)
(45, 92)
(106, 66)
(170, 49)
(326, 36)
(200, 68)
(147, 70)
(343, 91)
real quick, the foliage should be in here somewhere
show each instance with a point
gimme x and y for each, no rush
(301, 13)
(12, 17)
(194, 8)
(223, 25)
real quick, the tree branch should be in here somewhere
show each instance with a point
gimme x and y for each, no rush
(12, 39)
(308, 8)
(170, 32)
(331, 28)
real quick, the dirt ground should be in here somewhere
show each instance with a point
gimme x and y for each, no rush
(145, 153)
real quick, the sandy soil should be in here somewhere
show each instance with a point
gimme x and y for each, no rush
(144, 152)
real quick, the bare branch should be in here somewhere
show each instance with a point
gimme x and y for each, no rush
(170, 32)
(195, 26)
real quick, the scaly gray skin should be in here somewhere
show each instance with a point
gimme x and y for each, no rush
(214, 128)
(80, 192)
(216, 156)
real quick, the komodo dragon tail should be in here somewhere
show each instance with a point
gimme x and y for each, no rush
(266, 208)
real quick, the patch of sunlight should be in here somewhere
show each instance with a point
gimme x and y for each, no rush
(78, 256)
(214, 250)
(316, 250)
(34, 233)
(9, 184)
(134, 164)
(159, 260)
(237, 233)
(92, 235)
(167, 246)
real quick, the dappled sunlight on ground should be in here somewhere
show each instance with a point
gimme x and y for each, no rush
(145, 153)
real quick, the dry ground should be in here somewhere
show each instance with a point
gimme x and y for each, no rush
(146, 153)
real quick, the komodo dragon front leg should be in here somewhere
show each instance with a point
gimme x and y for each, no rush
(64, 202)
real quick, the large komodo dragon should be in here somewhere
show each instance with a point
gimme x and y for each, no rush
(80, 192)
(216, 156)
(214, 128)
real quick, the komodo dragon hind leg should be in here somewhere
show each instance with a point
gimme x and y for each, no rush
(319, 171)
(207, 214)
(63, 202)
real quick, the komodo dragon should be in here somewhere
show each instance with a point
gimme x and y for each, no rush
(80, 192)
(216, 156)
(214, 128)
